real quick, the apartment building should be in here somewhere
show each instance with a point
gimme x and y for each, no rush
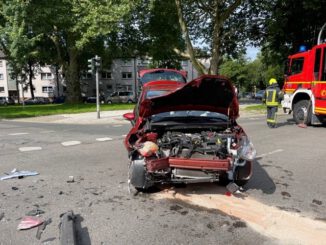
(49, 82)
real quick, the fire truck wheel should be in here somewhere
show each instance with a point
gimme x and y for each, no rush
(302, 112)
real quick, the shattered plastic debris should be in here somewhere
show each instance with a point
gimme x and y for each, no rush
(42, 227)
(29, 222)
(71, 179)
(18, 174)
(232, 187)
(35, 212)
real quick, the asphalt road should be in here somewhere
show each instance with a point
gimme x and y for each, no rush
(284, 203)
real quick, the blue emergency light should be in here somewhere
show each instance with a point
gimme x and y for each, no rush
(302, 48)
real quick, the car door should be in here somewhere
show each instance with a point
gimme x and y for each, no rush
(319, 85)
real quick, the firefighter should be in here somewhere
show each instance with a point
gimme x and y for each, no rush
(271, 97)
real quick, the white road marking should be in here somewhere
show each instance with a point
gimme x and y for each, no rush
(70, 143)
(270, 153)
(104, 139)
(124, 135)
(15, 134)
(46, 132)
(116, 126)
(36, 148)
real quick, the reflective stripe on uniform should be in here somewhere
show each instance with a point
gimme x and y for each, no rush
(271, 97)
(271, 120)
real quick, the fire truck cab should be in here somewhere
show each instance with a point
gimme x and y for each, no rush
(305, 86)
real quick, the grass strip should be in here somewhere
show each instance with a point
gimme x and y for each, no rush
(18, 111)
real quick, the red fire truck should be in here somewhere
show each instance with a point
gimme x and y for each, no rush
(305, 85)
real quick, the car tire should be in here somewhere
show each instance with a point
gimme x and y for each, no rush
(138, 176)
(109, 101)
(302, 112)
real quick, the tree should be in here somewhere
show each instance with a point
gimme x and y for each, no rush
(292, 24)
(224, 25)
(74, 27)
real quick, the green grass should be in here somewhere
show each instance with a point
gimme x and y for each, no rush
(253, 108)
(18, 111)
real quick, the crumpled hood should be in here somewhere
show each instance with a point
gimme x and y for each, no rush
(206, 93)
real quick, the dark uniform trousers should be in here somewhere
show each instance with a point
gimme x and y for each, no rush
(272, 97)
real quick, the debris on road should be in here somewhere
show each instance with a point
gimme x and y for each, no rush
(14, 188)
(29, 222)
(18, 174)
(68, 229)
(71, 179)
(232, 187)
(35, 212)
(42, 227)
(2, 215)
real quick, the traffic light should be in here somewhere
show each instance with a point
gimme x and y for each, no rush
(90, 65)
(97, 62)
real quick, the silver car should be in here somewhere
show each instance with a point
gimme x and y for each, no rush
(121, 97)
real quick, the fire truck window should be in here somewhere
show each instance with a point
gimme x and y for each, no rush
(323, 72)
(297, 66)
(317, 64)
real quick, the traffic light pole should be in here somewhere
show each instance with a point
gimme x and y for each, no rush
(97, 90)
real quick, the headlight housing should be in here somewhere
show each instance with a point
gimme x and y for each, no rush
(246, 150)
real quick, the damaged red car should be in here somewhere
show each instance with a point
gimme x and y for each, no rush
(187, 133)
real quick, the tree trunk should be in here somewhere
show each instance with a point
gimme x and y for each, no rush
(72, 78)
(215, 61)
(31, 75)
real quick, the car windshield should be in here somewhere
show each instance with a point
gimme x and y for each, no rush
(156, 93)
(162, 75)
(188, 114)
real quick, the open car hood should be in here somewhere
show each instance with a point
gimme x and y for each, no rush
(206, 93)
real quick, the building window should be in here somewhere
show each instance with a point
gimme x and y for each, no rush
(109, 87)
(2, 89)
(106, 75)
(1, 76)
(1, 64)
(47, 89)
(46, 76)
(126, 75)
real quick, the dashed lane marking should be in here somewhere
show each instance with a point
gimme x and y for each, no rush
(124, 135)
(47, 132)
(24, 149)
(104, 139)
(15, 134)
(70, 143)
(269, 153)
(116, 126)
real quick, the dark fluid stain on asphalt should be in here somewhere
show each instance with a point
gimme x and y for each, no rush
(289, 209)
(14, 188)
(175, 207)
(210, 226)
(285, 194)
(239, 224)
(317, 202)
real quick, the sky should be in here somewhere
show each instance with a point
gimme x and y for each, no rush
(252, 52)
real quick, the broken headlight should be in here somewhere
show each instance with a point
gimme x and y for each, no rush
(246, 150)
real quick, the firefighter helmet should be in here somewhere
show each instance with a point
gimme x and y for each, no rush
(272, 81)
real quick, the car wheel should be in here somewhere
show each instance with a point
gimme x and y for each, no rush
(138, 176)
(302, 112)
(109, 102)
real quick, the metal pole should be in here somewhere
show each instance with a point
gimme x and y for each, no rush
(97, 89)
(135, 78)
(22, 88)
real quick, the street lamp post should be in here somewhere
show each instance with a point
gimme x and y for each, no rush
(94, 65)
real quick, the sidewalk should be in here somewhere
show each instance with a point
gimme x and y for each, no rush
(107, 117)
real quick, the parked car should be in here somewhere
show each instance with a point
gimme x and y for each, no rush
(121, 97)
(59, 100)
(259, 95)
(189, 134)
(92, 99)
(6, 101)
(37, 101)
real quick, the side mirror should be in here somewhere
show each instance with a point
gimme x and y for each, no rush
(130, 116)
